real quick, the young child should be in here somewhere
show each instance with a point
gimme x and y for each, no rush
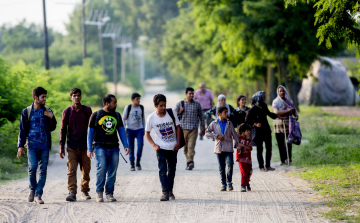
(243, 156)
(222, 130)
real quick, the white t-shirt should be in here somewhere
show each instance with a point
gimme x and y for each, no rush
(164, 128)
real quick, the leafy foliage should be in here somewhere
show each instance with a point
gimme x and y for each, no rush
(336, 19)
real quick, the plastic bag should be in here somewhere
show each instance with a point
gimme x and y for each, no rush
(294, 132)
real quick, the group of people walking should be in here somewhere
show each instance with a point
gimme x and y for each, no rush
(87, 134)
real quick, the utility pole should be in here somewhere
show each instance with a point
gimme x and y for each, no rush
(100, 18)
(83, 32)
(124, 44)
(141, 54)
(113, 31)
(46, 42)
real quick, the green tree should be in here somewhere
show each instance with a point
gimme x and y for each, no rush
(336, 19)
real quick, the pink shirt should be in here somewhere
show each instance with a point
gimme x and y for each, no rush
(204, 99)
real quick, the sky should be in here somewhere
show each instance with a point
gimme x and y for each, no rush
(57, 12)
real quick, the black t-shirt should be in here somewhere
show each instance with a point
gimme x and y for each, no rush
(106, 128)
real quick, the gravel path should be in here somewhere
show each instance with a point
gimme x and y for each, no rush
(275, 197)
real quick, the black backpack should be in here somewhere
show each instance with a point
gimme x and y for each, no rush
(182, 139)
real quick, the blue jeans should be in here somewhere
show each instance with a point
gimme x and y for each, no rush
(139, 135)
(226, 158)
(167, 160)
(38, 155)
(107, 163)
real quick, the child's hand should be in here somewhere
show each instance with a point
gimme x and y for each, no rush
(221, 138)
(239, 150)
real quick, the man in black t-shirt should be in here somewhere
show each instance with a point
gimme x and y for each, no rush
(106, 124)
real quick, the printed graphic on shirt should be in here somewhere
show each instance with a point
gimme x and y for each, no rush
(108, 123)
(135, 116)
(166, 131)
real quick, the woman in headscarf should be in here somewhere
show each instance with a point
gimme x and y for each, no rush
(257, 118)
(240, 111)
(222, 103)
(284, 107)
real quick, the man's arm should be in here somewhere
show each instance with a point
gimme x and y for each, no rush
(178, 138)
(63, 133)
(51, 119)
(123, 138)
(22, 134)
(125, 116)
(90, 139)
(202, 120)
(151, 141)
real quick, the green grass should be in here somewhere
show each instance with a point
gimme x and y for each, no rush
(331, 161)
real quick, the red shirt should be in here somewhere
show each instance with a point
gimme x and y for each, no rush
(245, 156)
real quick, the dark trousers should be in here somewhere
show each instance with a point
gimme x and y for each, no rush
(259, 140)
(280, 138)
(167, 160)
(226, 158)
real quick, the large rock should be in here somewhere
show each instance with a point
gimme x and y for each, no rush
(327, 83)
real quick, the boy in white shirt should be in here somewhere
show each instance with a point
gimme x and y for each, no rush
(168, 134)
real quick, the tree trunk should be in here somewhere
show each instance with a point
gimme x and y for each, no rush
(290, 85)
(270, 91)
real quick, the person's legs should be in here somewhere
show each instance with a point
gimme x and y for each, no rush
(161, 156)
(171, 161)
(85, 167)
(259, 151)
(229, 159)
(72, 165)
(280, 138)
(221, 160)
(131, 138)
(268, 145)
(101, 168)
(244, 173)
(33, 165)
(43, 157)
(140, 143)
(112, 165)
(186, 136)
(191, 142)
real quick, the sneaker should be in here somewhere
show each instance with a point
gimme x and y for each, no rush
(223, 188)
(110, 197)
(38, 199)
(230, 187)
(132, 168)
(138, 166)
(243, 189)
(270, 168)
(282, 163)
(71, 197)
(85, 195)
(164, 197)
(263, 170)
(171, 196)
(99, 197)
(191, 166)
(248, 187)
(31, 196)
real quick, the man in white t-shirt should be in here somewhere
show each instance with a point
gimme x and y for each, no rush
(167, 143)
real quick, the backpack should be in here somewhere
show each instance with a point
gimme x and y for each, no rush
(182, 106)
(182, 139)
(129, 109)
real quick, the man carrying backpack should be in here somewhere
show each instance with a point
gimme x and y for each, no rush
(134, 122)
(36, 124)
(74, 124)
(190, 114)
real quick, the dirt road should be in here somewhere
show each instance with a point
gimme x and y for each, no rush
(275, 197)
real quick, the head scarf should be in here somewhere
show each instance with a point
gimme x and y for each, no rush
(258, 98)
(281, 104)
(221, 96)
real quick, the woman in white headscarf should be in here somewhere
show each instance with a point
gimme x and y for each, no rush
(284, 107)
(222, 103)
